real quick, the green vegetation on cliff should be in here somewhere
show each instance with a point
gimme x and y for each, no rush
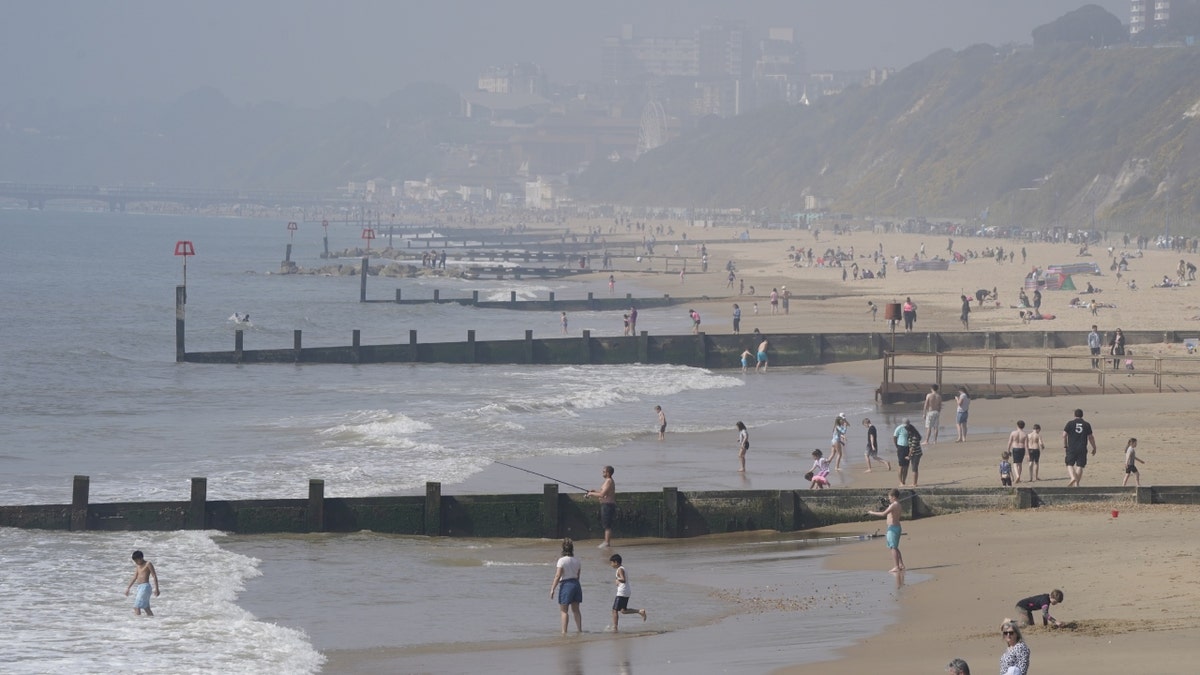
(1034, 137)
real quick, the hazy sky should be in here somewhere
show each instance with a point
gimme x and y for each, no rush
(312, 51)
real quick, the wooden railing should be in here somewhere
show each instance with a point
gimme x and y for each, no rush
(995, 373)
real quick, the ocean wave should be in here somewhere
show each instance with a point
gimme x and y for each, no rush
(197, 627)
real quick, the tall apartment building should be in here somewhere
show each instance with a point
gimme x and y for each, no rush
(1145, 15)
(629, 58)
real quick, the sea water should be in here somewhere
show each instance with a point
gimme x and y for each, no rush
(92, 388)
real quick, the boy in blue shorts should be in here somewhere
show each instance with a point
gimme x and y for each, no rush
(142, 576)
(892, 513)
(624, 592)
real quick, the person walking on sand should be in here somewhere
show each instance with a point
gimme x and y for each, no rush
(909, 310)
(566, 581)
(962, 404)
(1131, 462)
(900, 437)
(662, 423)
(607, 494)
(737, 319)
(1036, 445)
(873, 445)
(143, 575)
(837, 445)
(966, 313)
(933, 413)
(892, 513)
(915, 452)
(621, 601)
(762, 356)
(1018, 443)
(1077, 436)
(743, 443)
(1093, 342)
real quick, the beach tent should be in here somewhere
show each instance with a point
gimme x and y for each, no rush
(1067, 284)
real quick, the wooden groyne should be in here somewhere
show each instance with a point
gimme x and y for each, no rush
(669, 513)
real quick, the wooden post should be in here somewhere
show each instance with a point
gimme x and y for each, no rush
(397, 295)
(591, 302)
(79, 503)
(528, 346)
(670, 513)
(238, 336)
(701, 350)
(551, 297)
(787, 511)
(296, 342)
(643, 347)
(436, 296)
(433, 509)
(180, 301)
(474, 297)
(585, 347)
(512, 296)
(196, 515)
(550, 510)
(471, 346)
(316, 505)
(1024, 498)
(362, 281)
(412, 346)
(355, 343)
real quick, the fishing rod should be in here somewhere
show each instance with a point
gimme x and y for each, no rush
(543, 476)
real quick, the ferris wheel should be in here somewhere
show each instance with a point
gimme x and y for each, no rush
(653, 132)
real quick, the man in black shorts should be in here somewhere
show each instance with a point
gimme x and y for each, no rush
(1077, 436)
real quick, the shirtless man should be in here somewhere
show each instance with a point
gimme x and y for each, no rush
(142, 576)
(762, 357)
(892, 513)
(607, 494)
(932, 412)
(1018, 443)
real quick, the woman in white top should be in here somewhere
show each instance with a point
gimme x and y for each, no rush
(566, 581)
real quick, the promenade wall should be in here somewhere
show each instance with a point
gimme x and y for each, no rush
(669, 513)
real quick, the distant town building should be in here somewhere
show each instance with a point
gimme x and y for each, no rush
(1147, 15)
(522, 78)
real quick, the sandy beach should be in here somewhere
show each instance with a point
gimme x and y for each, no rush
(1129, 593)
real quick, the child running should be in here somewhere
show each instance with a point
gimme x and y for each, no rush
(873, 445)
(892, 513)
(1131, 460)
(621, 601)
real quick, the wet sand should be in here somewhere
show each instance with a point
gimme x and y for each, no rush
(1128, 580)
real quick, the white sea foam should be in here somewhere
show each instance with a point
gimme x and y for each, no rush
(197, 626)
